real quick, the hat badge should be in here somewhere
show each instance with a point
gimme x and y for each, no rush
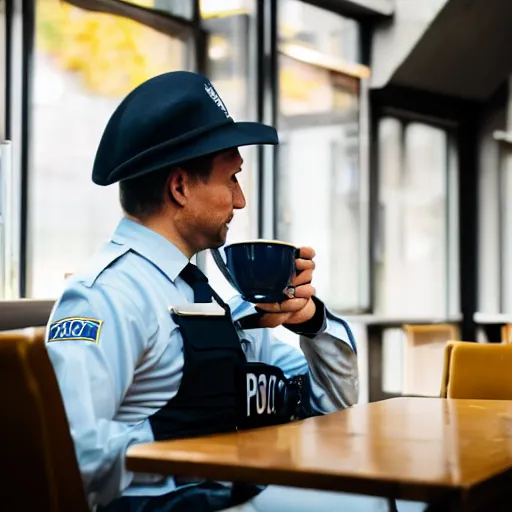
(216, 98)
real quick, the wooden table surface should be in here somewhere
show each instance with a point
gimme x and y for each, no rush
(413, 448)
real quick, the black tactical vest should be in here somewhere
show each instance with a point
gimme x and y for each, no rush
(220, 391)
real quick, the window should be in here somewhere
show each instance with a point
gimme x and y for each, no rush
(84, 64)
(494, 214)
(8, 245)
(506, 227)
(495, 233)
(317, 31)
(231, 68)
(416, 252)
(321, 185)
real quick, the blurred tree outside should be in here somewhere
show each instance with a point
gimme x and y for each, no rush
(110, 55)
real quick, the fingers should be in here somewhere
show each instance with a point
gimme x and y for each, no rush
(305, 291)
(302, 282)
(288, 306)
(301, 265)
(302, 296)
(305, 262)
(304, 266)
(307, 253)
(304, 277)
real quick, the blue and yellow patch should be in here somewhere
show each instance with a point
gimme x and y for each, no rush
(75, 328)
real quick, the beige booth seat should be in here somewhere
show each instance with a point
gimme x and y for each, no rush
(22, 313)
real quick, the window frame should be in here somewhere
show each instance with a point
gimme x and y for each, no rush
(360, 74)
(187, 30)
(462, 117)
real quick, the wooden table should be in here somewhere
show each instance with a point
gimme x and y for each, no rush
(424, 449)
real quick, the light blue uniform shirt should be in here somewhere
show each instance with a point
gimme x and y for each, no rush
(118, 355)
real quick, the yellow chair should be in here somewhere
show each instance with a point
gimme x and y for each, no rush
(478, 371)
(506, 333)
(38, 463)
(448, 349)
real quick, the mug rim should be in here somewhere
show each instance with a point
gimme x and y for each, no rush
(261, 241)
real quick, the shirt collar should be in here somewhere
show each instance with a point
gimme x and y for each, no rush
(151, 246)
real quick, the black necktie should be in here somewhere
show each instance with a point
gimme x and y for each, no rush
(198, 282)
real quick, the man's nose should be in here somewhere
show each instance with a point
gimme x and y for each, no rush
(238, 199)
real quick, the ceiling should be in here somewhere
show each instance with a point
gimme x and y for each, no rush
(465, 52)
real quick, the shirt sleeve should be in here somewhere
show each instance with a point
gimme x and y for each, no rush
(328, 357)
(333, 366)
(95, 337)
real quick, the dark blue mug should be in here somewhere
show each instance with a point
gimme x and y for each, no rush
(262, 270)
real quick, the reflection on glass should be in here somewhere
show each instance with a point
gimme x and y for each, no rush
(412, 268)
(85, 63)
(231, 70)
(319, 197)
(307, 26)
(225, 8)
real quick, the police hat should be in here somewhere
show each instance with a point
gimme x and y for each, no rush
(166, 121)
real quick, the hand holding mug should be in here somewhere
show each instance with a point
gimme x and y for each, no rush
(301, 307)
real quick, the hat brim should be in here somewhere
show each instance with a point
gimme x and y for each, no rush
(225, 137)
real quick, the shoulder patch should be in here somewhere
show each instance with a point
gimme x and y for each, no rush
(75, 328)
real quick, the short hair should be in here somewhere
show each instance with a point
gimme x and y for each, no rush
(145, 195)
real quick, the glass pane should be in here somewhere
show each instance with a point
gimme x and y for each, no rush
(3, 235)
(493, 168)
(506, 229)
(84, 64)
(225, 8)
(181, 8)
(412, 253)
(231, 35)
(9, 225)
(307, 26)
(453, 230)
(318, 196)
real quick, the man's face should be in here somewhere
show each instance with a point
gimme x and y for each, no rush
(212, 203)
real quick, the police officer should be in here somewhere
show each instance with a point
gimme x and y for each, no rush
(137, 357)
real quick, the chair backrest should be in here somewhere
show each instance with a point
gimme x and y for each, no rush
(479, 371)
(446, 366)
(22, 313)
(423, 357)
(38, 462)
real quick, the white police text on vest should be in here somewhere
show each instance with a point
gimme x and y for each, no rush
(261, 394)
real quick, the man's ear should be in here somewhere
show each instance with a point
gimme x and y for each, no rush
(178, 186)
